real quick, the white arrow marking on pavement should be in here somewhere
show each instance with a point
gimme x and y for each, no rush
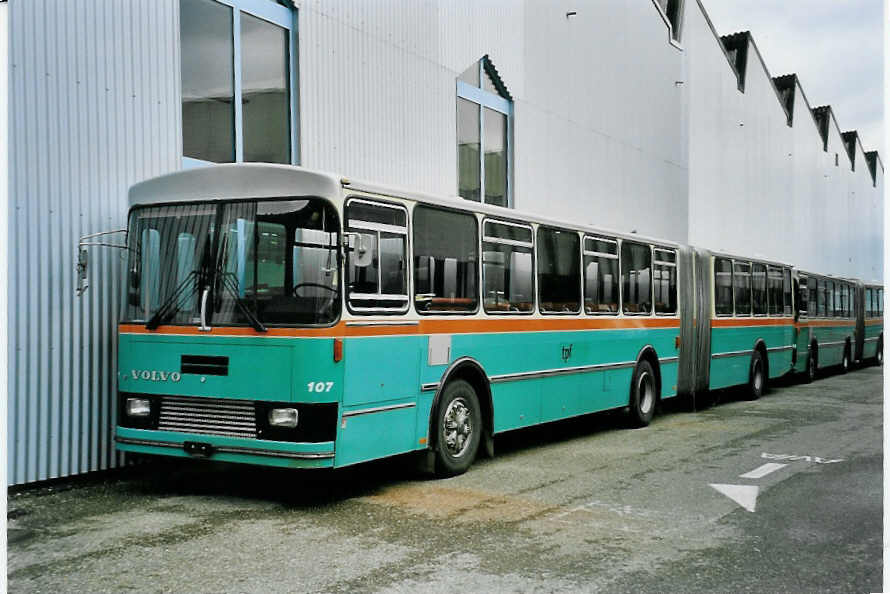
(744, 495)
(762, 471)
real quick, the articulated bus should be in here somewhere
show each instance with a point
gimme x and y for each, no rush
(280, 316)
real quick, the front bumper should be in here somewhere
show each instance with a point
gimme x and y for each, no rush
(226, 449)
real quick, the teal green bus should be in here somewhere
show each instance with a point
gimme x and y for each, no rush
(280, 316)
(870, 323)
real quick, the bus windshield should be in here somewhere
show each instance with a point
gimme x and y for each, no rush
(261, 262)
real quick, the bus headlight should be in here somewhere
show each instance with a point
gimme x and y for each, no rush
(283, 417)
(138, 407)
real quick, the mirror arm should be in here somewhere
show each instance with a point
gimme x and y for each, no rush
(83, 260)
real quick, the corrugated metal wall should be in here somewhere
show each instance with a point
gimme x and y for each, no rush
(93, 109)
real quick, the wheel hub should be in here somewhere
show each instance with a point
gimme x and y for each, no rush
(644, 389)
(457, 427)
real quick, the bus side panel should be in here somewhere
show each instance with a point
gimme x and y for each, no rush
(733, 370)
(873, 329)
(803, 348)
(780, 360)
(381, 372)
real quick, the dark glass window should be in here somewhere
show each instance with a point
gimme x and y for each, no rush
(814, 298)
(829, 299)
(787, 290)
(445, 261)
(741, 282)
(868, 303)
(208, 81)
(507, 268)
(805, 305)
(469, 184)
(775, 292)
(265, 102)
(559, 271)
(723, 287)
(822, 299)
(664, 281)
(377, 254)
(600, 275)
(880, 302)
(758, 289)
(636, 277)
(495, 157)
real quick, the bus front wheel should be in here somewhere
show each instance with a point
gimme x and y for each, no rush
(643, 394)
(458, 428)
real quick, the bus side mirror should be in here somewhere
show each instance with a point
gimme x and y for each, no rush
(82, 262)
(358, 246)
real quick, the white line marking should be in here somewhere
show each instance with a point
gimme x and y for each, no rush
(744, 495)
(762, 471)
(794, 458)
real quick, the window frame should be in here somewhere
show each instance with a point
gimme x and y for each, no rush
(412, 289)
(651, 311)
(750, 313)
(731, 287)
(676, 265)
(276, 14)
(534, 253)
(580, 311)
(616, 256)
(379, 228)
(485, 99)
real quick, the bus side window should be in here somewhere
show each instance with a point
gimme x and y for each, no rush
(446, 257)
(786, 290)
(507, 268)
(868, 303)
(822, 295)
(636, 277)
(829, 299)
(880, 307)
(376, 259)
(600, 276)
(775, 293)
(559, 271)
(664, 281)
(758, 289)
(723, 287)
(813, 298)
(741, 279)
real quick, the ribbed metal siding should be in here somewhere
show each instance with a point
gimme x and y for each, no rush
(93, 109)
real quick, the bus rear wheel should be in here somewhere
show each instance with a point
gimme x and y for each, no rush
(643, 395)
(458, 428)
(879, 353)
(756, 376)
(845, 361)
(810, 373)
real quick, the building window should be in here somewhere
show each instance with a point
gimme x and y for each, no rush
(484, 130)
(673, 11)
(237, 74)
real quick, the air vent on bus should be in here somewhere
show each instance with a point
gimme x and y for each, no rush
(205, 365)
(207, 416)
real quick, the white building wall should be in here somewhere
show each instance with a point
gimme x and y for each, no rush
(93, 108)
(760, 187)
(599, 134)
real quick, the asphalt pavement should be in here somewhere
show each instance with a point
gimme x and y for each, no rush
(783, 494)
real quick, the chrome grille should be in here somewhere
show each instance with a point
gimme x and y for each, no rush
(208, 416)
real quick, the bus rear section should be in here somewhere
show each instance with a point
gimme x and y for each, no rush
(752, 327)
(827, 324)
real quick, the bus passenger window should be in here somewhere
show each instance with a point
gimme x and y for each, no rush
(559, 271)
(813, 299)
(822, 299)
(600, 276)
(758, 289)
(829, 299)
(636, 277)
(868, 309)
(804, 305)
(445, 261)
(507, 268)
(741, 279)
(664, 281)
(786, 289)
(880, 303)
(839, 300)
(376, 275)
(775, 291)
(722, 287)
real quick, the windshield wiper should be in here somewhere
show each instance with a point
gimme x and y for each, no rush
(173, 303)
(229, 282)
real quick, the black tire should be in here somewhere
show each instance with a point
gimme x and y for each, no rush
(458, 428)
(809, 374)
(644, 395)
(757, 377)
(845, 360)
(879, 353)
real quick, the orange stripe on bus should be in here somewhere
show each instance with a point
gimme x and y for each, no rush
(437, 326)
(730, 322)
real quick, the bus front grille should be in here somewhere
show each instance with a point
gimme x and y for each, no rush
(207, 416)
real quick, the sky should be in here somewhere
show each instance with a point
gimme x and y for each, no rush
(834, 46)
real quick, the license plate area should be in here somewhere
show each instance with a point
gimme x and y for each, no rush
(198, 449)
